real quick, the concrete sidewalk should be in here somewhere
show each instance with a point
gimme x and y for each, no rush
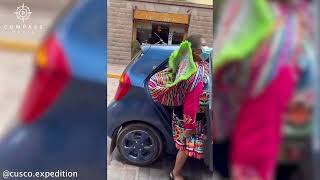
(112, 83)
(15, 74)
(115, 68)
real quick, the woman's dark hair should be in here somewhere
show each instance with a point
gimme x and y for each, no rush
(195, 40)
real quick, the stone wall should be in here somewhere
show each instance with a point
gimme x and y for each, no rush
(120, 23)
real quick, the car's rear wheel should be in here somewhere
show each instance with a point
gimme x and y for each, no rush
(139, 144)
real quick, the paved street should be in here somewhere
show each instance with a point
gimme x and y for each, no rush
(15, 72)
(194, 170)
(113, 82)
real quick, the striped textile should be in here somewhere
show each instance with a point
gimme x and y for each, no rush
(175, 95)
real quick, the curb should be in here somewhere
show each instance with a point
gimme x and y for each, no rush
(23, 46)
(16, 45)
(115, 76)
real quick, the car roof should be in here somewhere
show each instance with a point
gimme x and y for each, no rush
(145, 47)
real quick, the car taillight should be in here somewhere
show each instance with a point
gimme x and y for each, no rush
(51, 75)
(124, 86)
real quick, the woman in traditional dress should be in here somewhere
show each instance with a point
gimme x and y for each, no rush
(181, 86)
(264, 69)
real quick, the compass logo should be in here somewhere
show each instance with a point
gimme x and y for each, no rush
(23, 12)
(20, 26)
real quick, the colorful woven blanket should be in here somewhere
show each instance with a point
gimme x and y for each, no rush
(182, 65)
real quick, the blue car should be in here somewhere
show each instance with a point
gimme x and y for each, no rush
(63, 114)
(135, 113)
(139, 127)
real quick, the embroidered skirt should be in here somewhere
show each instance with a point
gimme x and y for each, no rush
(193, 146)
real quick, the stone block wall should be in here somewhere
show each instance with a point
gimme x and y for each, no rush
(120, 23)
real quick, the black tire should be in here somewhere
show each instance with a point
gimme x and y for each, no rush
(139, 144)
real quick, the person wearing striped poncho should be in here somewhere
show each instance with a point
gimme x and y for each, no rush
(181, 86)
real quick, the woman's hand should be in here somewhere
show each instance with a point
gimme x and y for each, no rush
(189, 132)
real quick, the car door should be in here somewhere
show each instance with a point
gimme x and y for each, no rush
(208, 145)
(315, 135)
(215, 155)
